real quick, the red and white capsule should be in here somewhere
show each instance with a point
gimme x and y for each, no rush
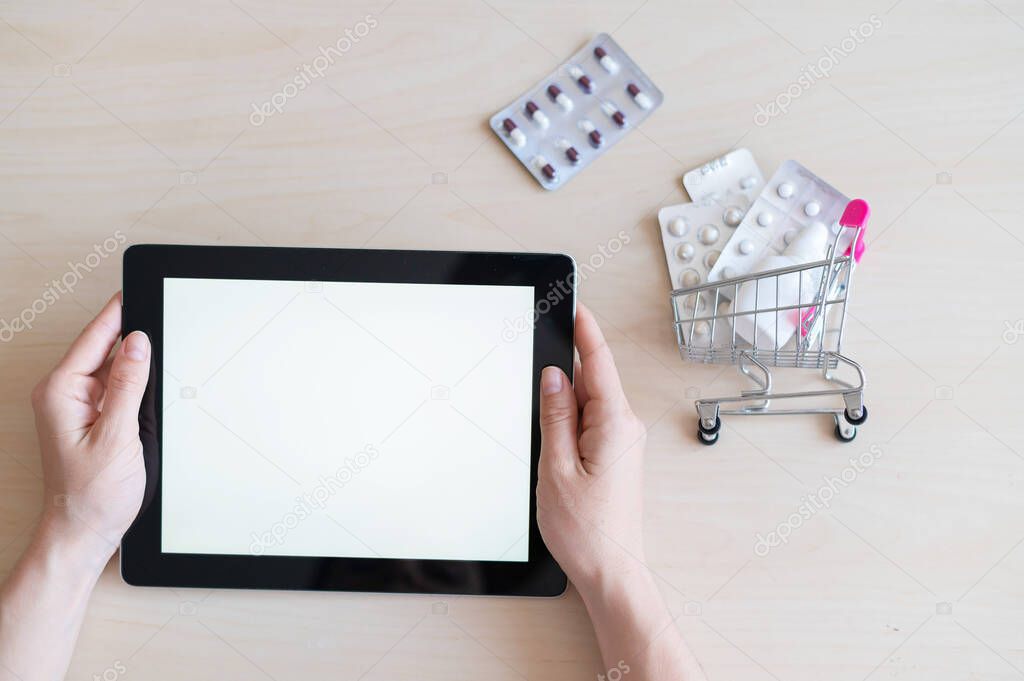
(545, 168)
(514, 133)
(570, 151)
(612, 112)
(641, 99)
(561, 99)
(605, 60)
(592, 132)
(582, 79)
(538, 116)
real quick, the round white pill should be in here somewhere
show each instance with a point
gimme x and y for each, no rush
(691, 300)
(785, 190)
(689, 278)
(748, 182)
(732, 216)
(728, 273)
(677, 226)
(711, 258)
(765, 218)
(708, 234)
(685, 251)
(701, 329)
(812, 208)
(746, 247)
(789, 236)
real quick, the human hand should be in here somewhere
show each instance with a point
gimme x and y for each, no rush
(590, 507)
(87, 417)
(87, 412)
(590, 486)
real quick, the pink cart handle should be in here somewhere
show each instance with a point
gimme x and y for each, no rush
(856, 215)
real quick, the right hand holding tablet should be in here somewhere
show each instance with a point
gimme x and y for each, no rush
(589, 511)
(590, 489)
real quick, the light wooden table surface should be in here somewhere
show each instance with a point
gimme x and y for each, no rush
(134, 118)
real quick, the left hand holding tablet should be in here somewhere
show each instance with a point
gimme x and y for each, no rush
(93, 480)
(87, 420)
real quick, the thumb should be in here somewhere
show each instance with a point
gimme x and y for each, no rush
(126, 383)
(559, 449)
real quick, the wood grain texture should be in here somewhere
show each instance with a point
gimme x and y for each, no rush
(136, 119)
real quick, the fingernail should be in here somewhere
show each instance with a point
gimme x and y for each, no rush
(551, 380)
(136, 346)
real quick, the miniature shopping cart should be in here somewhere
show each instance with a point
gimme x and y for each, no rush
(707, 317)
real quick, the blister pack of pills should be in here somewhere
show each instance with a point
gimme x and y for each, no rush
(694, 234)
(734, 172)
(559, 126)
(792, 199)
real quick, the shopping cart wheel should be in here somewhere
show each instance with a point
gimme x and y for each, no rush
(706, 439)
(845, 433)
(856, 422)
(708, 436)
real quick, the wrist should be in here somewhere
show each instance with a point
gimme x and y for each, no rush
(76, 549)
(614, 587)
(633, 624)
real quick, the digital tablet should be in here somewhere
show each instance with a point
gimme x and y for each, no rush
(361, 420)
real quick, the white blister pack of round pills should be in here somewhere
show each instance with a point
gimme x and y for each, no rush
(792, 199)
(694, 234)
(564, 122)
(735, 171)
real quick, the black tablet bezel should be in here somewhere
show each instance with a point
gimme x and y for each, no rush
(145, 268)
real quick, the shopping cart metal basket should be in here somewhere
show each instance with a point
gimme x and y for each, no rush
(790, 317)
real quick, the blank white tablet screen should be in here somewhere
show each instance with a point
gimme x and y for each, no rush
(344, 419)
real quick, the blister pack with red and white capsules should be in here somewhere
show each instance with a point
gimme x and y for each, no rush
(564, 122)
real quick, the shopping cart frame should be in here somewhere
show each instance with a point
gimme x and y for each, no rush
(815, 345)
